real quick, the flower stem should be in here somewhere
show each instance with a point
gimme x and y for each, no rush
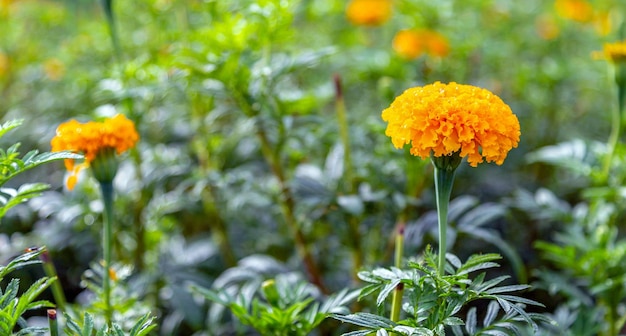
(348, 175)
(50, 270)
(107, 232)
(287, 205)
(444, 179)
(53, 323)
(396, 303)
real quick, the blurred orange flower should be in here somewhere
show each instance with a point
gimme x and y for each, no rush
(547, 28)
(4, 64)
(577, 10)
(444, 119)
(411, 43)
(54, 69)
(92, 138)
(369, 12)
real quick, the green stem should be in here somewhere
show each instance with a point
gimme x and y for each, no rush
(444, 179)
(348, 175)
(53, 323)
(107, 5)
(287, 206)
(396, 303)
(617, 118)
(107, 198)
(50, 270)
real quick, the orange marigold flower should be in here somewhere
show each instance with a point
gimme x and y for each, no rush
(410, 43)
(577, 10)
(443, 119)
(92, 138)
(369, 12)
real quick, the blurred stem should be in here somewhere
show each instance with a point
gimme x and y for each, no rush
(287, 206)
(107, 5)
(50, 270)
(202, 149)
(616, 120)
(344, 133)
(107, 198)
(396, 303)
(220, 235)
(348, 175)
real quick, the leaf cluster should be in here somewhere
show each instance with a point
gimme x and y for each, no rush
(282, 305)
(13, 305)
(434, 301)
(12, 165)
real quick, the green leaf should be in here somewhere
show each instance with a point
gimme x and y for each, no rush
(366, 320)
(492, 313)
(9, 125)
(386, 290)
(471, 321)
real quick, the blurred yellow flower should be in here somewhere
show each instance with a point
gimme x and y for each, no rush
(444, 119)
(411, 43)
(547, 28)
(602, 23)
(93, 138)
(369, 12)
(577, 10)
(54, 69)
(4, 64)
(613, 52)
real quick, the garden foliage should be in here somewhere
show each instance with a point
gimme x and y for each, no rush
(262, 195)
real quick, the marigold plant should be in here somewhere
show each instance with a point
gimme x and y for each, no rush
(92, 138)
(369, 12)
(444, 119)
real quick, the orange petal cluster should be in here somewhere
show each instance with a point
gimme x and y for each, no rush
(90, 138)
(443, 119)
(411, 43)
(369, 12)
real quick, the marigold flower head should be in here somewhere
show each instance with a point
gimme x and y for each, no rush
(577, 10)
(91, 139)
(411, 43)
(444, 119)
(369, 12)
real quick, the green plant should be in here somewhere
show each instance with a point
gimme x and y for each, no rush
(11, 165)
(87, 328)
(282, 305)
(12, 306)
(435, 300)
